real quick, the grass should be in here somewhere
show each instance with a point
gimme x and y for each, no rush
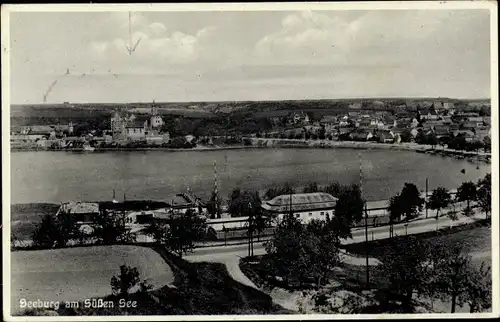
(198, 288)
(464, 234)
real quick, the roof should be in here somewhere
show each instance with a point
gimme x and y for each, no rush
(441, 129)
(328, 119)
(41, 128)
(135, 124)
(80, 207)
(438, 105)
(184, 200)
(467, 133)
(384, 132)
(300, 202)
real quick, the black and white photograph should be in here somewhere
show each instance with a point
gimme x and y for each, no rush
(272, 160)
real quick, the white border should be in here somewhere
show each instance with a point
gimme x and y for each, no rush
(400, 5)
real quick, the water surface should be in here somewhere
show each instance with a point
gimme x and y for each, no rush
(43, 176)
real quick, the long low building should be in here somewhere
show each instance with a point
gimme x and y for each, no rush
(304, 206)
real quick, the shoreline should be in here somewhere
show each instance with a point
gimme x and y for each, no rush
(262, 143)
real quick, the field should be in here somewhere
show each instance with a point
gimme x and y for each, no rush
(25, 217)
(74, 274)
(188, 288)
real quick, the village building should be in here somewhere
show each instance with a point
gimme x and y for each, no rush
(360, 135)
(298, 118)
(428, 114)
(469, 135)
(384, 136)
(81, 212)
(142, 128)
(304, 206)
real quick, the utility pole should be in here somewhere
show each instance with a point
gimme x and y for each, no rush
(426, 194)
(250, 228)
(366, 220)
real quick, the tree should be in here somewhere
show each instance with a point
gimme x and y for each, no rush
(406, 136)
(322, 133)
(128, 278)
(327, 255)
(274, 191)
(348, 210)
(184, 231)
(311, 187)
(109, 228)
(484, 194)
(240, 202)
(439, 199)
(450, 271)
(467, 192)
(405, 266)
(158, 231)
(478, 291)
(300, 252)
(284, 249)
(407, 203)
(432, 139)
(214, 206)
(54, 232)
(487, 143)
(334, 189)
(46, 235)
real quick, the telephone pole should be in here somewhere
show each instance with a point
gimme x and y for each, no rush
(426, 194)
(366, 220)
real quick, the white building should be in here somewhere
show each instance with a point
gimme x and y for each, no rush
(305, 206)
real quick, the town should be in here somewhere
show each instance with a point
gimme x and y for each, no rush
(459, 126)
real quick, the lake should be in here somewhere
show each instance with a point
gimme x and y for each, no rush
(44, 176)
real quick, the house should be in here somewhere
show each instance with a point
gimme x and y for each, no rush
(304, 206)
(448, 106)
(329, 122)
(407, 122)
(366, 122)
(469, 135)
(481, 133)
(470, 125)
(352, 115)
(344, 130)
(437, 105)
(298, 118)
(384, 136)
(45, 130)
(441, 130)
(389, 121)
(360, 135)
(446, 119)
(135, 130)
(357, 105)
(81, 212)
(428, 114)
(477, 119)
(182, 202)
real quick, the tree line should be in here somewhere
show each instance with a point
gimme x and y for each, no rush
(178, 234)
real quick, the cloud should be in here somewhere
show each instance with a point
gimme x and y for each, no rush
(306, 36)
(158, 47)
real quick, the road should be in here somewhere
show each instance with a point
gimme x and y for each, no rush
(230, 254)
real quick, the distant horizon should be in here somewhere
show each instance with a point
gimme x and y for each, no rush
(256, 101)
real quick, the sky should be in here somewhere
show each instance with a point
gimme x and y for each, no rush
(248, 55)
